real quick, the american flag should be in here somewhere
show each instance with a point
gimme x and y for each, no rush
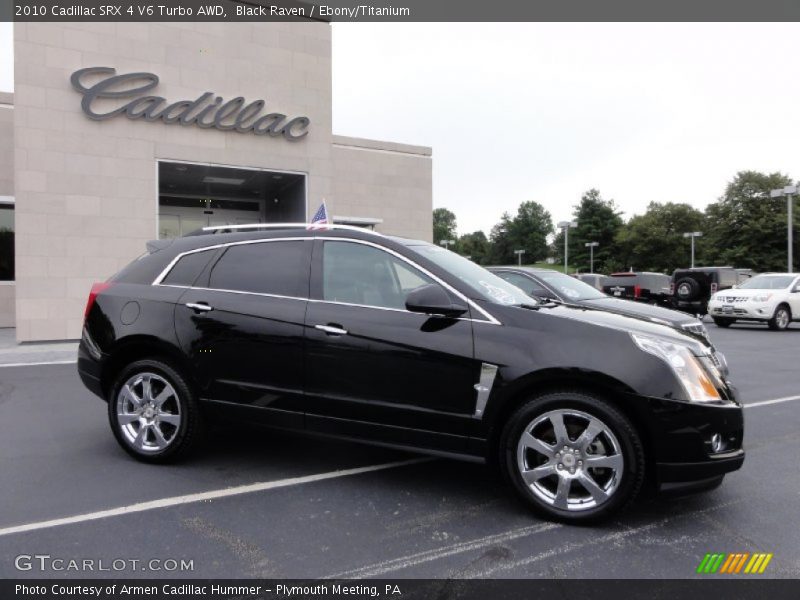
(320, 218)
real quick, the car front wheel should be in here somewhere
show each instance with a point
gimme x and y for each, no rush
(153, 412)
(781, 319)
(572, 456)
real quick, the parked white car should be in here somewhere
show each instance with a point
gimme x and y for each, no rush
(772, 298)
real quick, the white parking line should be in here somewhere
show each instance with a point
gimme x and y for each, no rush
(430, 555)
(203, 496)
(775, 401)
(40, 364)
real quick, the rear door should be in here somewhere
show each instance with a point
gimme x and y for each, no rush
(375, 369)
(241, 325)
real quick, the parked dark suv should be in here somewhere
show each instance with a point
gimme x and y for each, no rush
(403, 343)
(548, 284)
(651, 288)
(692, 288)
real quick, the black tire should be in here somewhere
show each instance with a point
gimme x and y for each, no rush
(722, 322)
(781, 319)
(687, 289)
(629, 443)
(182, 439)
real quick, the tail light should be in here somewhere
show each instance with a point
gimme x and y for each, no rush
(97, 288)
(637, 291)
(671, 289)
(713, 287)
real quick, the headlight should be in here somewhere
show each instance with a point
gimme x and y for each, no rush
(698, 379)
(761, 298)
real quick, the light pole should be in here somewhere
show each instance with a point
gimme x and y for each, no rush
(447, 243)
(693, 234)
(519, 254)
(565, 225)
(788, 191)
(591, 246)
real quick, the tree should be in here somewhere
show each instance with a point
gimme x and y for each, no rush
(476, 246)
(654, 241)
(501, 250)
(444, 225)
(529, 231)
(747, 228)
(598, 221)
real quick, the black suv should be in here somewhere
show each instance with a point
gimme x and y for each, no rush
(403, 343)
(692, 288)
(651, 288)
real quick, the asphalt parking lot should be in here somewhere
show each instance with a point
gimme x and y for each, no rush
(385, 517)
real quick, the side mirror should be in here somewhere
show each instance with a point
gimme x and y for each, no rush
(796, 290)
(431, 299)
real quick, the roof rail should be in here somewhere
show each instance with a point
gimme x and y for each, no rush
(215, 228)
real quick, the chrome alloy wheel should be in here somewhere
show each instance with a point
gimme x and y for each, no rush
(148, 412)
(782, 318)
(570, 460)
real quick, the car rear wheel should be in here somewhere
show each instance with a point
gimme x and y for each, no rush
(723, 322)
(153, 412)
(781, 319)
(572, 456)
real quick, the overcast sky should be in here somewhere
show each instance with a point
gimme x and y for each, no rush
(546, 111)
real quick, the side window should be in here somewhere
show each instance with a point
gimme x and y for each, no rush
(188, 268)
(280, 268)
(527, 285)
(361, 274)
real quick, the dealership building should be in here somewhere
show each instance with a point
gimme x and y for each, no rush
(117, 134)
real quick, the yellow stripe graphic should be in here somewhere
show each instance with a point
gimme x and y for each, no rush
(750, 564)
(765, 563)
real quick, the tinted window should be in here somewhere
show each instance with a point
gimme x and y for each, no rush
(527, 285)
(360, 274)
(188, 268)
(6, 242)
(279, 268)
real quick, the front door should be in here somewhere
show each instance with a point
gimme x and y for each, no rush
(242, 327)
(374, 368)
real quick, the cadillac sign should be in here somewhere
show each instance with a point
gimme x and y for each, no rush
(206, 111)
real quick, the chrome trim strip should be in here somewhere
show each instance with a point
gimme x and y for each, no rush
(484, 388)
(330, 329)
(320, 227)
(489, 318)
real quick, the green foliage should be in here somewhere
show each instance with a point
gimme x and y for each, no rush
(501, 251)
(598, 221)
(444, 225)
(747, 228)
(654, 241)
(475, 245)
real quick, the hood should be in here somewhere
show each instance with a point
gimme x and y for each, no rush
(629, 323)
(640, 309)
(740, 293)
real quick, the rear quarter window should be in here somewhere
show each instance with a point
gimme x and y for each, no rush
(188, 268)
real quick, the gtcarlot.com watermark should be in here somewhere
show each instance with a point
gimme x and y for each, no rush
(48, 563)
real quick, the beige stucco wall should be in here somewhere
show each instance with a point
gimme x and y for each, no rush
(6, 144)
(384, 180)
(85, 191)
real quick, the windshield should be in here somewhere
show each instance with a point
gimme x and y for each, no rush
(767, 282)
(486, 285)
(569, 287)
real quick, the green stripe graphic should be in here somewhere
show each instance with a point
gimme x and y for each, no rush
(718, 563)
(702, 565)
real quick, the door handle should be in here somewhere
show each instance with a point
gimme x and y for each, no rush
(199, 306)
(331, 329)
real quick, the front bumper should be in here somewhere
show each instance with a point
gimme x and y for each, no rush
(750, 311)
(680, 439)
